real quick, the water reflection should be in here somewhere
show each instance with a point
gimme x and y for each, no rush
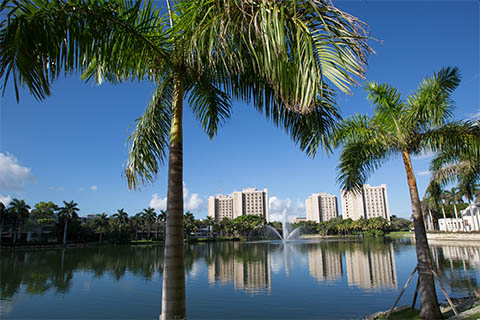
(372, 269)
(53, 270)
(457, 266)
(247, 267)
(325, 263)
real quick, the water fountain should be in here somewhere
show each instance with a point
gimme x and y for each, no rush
(271, 233)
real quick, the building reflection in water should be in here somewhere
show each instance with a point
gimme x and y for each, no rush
(325, 265)
(371, 269)
(248, 268)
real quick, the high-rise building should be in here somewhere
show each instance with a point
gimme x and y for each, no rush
(220, 207)
(321, 207)
(247, 201)
(369, 202)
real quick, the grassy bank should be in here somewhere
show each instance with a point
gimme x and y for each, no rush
(399, 234)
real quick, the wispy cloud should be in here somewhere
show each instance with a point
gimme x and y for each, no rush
(94, 188)
(5, 199)
(474, 116)
(13, 176)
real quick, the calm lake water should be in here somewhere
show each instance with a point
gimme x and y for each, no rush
(229, 280)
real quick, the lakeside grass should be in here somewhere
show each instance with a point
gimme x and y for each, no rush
(399, 234)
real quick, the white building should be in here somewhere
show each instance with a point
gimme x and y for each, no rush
(247, 201)
(469, 221)
(321, 207)
(369, 202)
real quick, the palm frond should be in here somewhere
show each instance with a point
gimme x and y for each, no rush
(150, 140)
(294, 46)
(356, 128)
(388, 105)
(210, 105)
(456, 137)
(358, 160)
(41, 39)
(430, 105)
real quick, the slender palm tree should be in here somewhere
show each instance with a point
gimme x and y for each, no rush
(462, 167)
(435, 191)
(149, 217)
(67, 213)
(120, 219)
(3, 218)
(19, 212)
(284, 57)
(136, 222)
(101, 225)
(405, 127)
(453, 196)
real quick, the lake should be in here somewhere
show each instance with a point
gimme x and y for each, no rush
(321, 279)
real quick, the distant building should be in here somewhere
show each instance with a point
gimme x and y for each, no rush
(247, 201)
(469, 220)
(369, 202)
(321, 207)
(299, 219)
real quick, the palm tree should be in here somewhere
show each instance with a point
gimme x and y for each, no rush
(149, 217)
(101, 225)
(463, 167)
(3, 219)
(435, 191)
(412, 126)
(66, 213)
(19, 212)
(453, 197)
(189, 223)
(162, 217)
(278, 55)
(120, 219)
(136, 222)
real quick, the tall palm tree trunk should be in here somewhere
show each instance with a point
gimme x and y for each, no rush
(65, 232)
(457, 227)
(173, 292)
(444, 217)
(428, 297)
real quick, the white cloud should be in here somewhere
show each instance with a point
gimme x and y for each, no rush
(12, 175)
(93, 188)
(5, 199)
(424, 156)
(191, 202)
(277, 205)
(157, 202)
(424, 173)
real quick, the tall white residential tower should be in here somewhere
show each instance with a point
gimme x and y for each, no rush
(369, 202)
(321, 207)
(247, 201)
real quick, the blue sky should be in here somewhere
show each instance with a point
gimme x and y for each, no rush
(72, 146)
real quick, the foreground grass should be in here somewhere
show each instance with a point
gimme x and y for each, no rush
(407, 314)
(475, 316)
